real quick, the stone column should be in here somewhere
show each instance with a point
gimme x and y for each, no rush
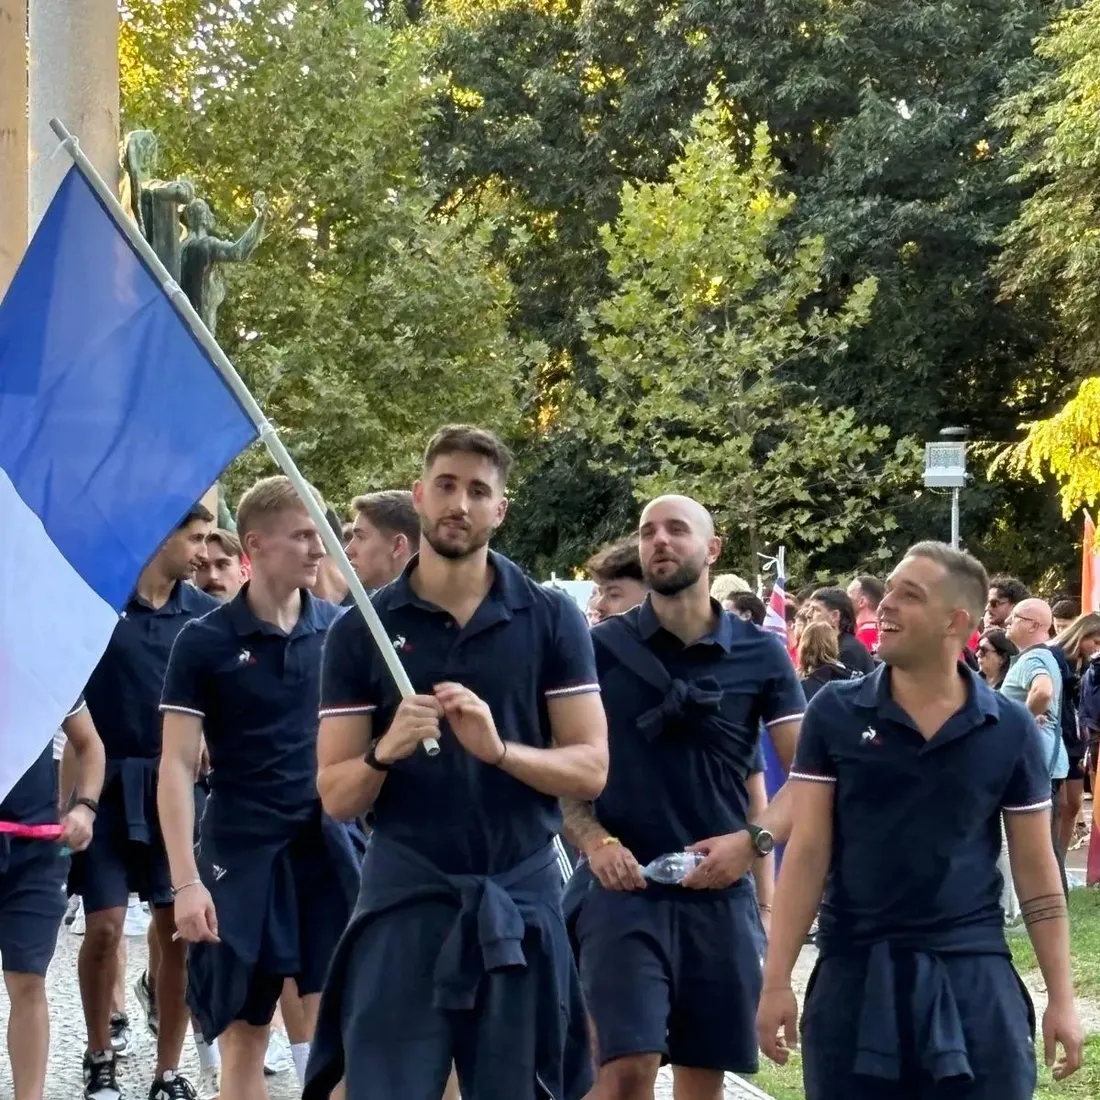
(74, 77)
(13, 137)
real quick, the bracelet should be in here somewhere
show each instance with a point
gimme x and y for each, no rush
(608, 840)
(503, 754)
(176, 890)
(764, 908)
(90, 803)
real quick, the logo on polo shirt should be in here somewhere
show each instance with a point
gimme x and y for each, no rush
(869, 735)
(245, 657)
(400, 644)
(219, 872)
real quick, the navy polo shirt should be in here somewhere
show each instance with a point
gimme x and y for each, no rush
(33, 800)
(256, 690)
(668, 789)
(124, 690)
(916, 823)
(524, 645)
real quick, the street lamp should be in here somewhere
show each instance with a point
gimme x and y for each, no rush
(945, 468)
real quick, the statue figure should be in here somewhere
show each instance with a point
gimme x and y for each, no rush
(154, 203)
(203, 255)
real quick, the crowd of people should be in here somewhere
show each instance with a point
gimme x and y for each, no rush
(244, 762)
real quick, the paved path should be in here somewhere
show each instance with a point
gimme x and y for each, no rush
(68, 1035)
(63, 1081)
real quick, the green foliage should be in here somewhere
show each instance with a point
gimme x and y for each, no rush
(368, 317)
(691, 349)
(1051, 249)
(879, 113)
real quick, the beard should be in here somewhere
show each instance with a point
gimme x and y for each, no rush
(684, 576)
(454, 549)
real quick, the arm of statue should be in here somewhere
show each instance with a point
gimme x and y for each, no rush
(176, 192)
(240, 250)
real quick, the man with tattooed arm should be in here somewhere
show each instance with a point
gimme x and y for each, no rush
(898, 787)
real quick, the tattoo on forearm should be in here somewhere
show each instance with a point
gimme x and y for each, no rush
(1043, 908)
(579, 822)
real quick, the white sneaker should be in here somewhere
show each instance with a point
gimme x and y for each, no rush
(137, 920)
(277, 1059)
(78, 921)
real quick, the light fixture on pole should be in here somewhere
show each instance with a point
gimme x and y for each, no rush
(945, 468)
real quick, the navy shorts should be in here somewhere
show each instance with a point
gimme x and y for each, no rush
(32, 903)
(319, 927)
(676, 973)
(113, 867)
(997, 1019)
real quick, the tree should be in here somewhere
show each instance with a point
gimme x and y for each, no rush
(1051, 250)
(693, 346)
(879, 114)
(368, 317)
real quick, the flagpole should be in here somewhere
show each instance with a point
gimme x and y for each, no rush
(267, 434)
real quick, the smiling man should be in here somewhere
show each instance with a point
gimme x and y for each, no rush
(899, 783)
(675, 969)
(458, 950)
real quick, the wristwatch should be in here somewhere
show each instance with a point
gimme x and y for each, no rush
(91, 803)
(762, 840)
(373, 760)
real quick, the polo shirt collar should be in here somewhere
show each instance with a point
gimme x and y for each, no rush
(179, 599)
(509, 591)
(980, 707)
(245, 621)
(722, 634)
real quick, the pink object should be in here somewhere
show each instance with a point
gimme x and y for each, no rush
(31, 832)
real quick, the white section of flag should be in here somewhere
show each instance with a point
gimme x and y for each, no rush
(53, 630)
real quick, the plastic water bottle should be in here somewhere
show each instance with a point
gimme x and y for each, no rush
(673, 868)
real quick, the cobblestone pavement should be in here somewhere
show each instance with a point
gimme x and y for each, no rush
(67, 1038)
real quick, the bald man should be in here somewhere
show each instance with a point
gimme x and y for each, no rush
(672, 970)
(1035, 680)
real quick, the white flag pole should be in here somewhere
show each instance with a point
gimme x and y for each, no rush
(266, 430)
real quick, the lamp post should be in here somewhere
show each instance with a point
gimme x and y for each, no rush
(945, 468)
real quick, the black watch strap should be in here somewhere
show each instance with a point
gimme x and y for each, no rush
(91, 803)
(762, 840)
(373, 760)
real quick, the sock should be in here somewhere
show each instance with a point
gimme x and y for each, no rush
(209, 1055)
(300, 1053)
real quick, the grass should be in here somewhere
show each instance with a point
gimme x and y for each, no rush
(785, 1082)
(1084, 922)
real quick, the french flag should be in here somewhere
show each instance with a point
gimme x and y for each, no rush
(113, 422)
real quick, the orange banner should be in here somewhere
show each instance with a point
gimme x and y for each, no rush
(1092, 871)
(1090, 569)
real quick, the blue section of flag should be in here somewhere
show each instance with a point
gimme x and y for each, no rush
(113, 420)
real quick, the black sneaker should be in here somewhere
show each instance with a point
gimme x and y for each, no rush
(143, 990)
(122, 1042)
(172, 1086)
(100, 1076)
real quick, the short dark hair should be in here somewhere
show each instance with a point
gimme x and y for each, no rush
(334, 522)
(392, 512)
(750, 602)
(1010, 588)
(999, 641)
(616, 561)
(967, 575)
(468, 440)
(871, 588)
(1065, 609)
(195, 513)
(227, 541)
(836, 599)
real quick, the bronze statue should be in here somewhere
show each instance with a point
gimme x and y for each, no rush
(202, 256)
(154, 203)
